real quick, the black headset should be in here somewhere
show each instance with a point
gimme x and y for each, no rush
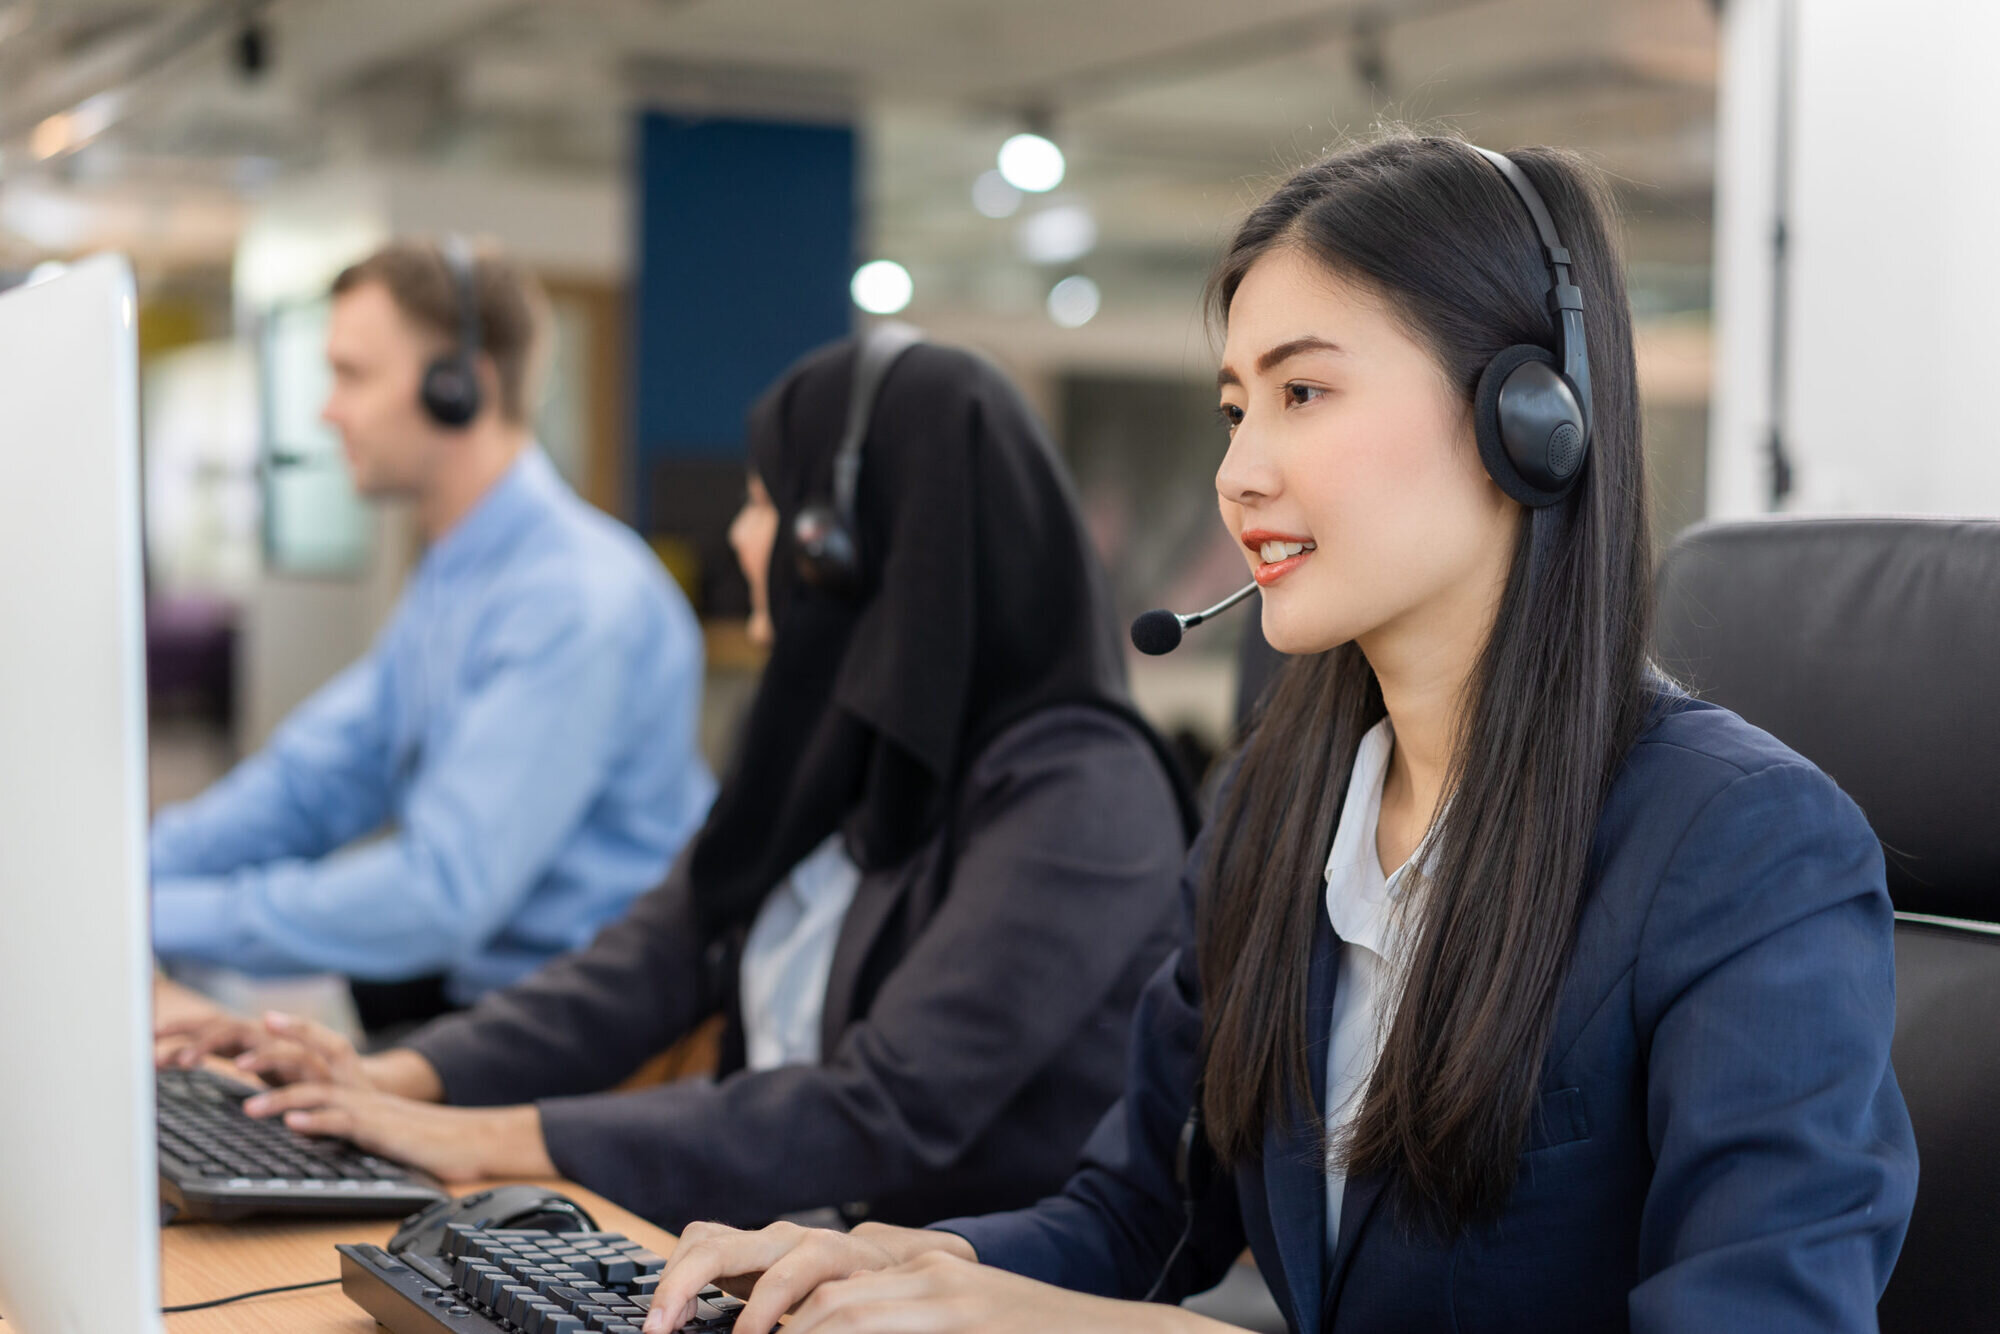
(1532, 407)
(825, 534)
(450, 393)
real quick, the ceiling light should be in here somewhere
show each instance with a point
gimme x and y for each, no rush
(992, 196)
(1032, 163)
(882, 287)
(1059, 235)
(67, 130)
(1073, 302)
(52, 136)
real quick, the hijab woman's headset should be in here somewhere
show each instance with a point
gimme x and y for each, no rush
(826, 534)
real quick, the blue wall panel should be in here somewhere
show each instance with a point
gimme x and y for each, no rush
(744, 245)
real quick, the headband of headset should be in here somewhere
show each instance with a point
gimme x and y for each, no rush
(881, 348)
(1565, 298)
(464, 271)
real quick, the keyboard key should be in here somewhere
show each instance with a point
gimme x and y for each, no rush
(515, 1308)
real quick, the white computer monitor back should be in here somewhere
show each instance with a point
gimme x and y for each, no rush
(79, 1224)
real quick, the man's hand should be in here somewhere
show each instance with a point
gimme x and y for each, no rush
(285, 1049)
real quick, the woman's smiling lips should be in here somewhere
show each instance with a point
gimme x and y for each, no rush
(1278, 554)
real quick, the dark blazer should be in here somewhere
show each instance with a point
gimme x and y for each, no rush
(976, 1020)
(1720, 1142)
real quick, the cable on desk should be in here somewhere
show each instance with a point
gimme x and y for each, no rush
(245, 1296)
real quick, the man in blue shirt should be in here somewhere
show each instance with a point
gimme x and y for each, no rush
(523, 730)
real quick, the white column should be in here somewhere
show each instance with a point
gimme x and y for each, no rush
(1894, 284)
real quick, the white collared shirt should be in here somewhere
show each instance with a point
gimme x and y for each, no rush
(1360, 903)
(788, 955)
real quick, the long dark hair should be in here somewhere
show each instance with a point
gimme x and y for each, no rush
(1554, 702)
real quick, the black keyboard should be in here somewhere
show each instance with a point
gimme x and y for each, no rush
(218, 1163)
(516, 1281)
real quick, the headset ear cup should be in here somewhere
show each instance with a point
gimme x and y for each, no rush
(450, 391)
(827, 557)
(1525, 440)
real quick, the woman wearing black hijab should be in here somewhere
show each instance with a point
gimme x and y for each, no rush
(943, 805)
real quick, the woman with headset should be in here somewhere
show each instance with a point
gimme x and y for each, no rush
(927, 897)
(1523, 991)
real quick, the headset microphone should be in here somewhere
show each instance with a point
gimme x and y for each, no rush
(1159, 631)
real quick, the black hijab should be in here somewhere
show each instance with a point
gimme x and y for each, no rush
(981, 601)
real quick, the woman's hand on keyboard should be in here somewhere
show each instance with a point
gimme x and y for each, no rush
(451, 1143)
(941, 1293)
(777, 1267)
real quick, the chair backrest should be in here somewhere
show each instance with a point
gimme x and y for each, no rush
(1947, 1055)
(1872, 646)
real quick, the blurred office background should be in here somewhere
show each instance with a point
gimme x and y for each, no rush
(709, 187)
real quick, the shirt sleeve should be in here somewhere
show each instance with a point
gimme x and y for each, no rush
(1785, 1168)
(491, 802)
(322, 781)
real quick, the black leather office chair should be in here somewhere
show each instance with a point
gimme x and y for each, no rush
(1872, 647)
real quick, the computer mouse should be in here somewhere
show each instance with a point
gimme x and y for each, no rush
(422, 1233)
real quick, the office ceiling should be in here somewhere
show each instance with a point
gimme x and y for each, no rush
(1171, 112)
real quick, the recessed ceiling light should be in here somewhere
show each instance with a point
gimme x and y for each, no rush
(1073, 302)
(1032, 163)
(882, 287)
(1058, 235)
(992, 196)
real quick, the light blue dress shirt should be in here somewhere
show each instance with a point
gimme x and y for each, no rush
(524, 731)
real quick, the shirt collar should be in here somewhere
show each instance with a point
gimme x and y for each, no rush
(524, 490)
(1359, 898)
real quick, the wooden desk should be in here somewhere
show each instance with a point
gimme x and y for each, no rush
(204, 1260)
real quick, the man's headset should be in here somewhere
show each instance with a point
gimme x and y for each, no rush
(450, 393)
(825, 533)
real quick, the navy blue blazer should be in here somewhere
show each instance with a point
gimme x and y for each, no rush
(1720, 1142)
